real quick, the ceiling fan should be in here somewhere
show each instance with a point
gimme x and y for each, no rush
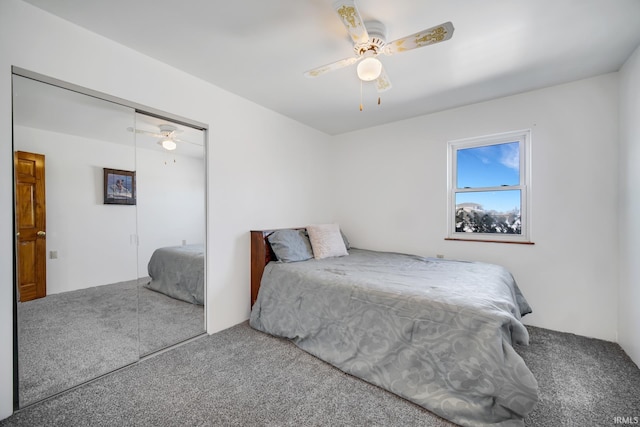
(369, 42)
(167, 136)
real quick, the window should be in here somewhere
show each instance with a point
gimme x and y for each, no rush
(489, 188)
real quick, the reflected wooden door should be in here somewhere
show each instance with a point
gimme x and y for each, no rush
(30, 224)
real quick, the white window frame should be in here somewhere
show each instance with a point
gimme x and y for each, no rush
(523, 137)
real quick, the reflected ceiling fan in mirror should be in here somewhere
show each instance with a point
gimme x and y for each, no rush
(166, 136)
(369, 41)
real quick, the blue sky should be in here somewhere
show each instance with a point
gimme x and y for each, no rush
(490, 166)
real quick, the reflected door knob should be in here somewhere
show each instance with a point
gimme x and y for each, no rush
(41, 234)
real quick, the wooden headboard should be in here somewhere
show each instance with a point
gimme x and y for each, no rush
(261, 254)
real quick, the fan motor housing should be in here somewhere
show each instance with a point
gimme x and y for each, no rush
(377, 36)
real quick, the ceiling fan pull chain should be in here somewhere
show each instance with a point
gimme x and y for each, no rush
(378, 100)
(360, 95)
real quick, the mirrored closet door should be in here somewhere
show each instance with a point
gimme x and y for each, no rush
(110, 235)
(171, 231)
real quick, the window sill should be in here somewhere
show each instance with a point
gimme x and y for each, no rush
(512, 242)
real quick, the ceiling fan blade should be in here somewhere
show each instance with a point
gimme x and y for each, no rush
(350, 17)
(186, 142)
(330, 67)
(383, 83)
(436, 34)
(146, 132)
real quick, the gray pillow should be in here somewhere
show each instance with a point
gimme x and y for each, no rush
(291, 245)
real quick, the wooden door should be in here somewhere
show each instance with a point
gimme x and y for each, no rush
(31, 225)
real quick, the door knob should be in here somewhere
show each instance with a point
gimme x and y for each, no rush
(41, 234)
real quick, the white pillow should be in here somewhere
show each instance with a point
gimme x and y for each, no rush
(326, 241)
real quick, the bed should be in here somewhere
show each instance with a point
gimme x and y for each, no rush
(439, 333)
(178, 272)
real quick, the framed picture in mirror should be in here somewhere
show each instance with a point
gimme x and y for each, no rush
(119, 187)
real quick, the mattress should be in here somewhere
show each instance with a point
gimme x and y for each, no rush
(439, 333)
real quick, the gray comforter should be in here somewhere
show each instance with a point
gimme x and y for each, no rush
(178, 272)
(436, 332)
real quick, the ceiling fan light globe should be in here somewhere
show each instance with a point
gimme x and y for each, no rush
(369, 69)
(168, 144)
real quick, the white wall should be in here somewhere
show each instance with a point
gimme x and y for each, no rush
(629, 225)
(391, 193)
(256, 159)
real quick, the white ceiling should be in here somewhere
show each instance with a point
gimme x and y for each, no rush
(260, 49)
(51, 108)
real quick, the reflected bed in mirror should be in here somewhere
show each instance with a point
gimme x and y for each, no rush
(178, 272)
(172, 298)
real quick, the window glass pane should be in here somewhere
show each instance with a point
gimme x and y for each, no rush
(489, 166)
(488, 212)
